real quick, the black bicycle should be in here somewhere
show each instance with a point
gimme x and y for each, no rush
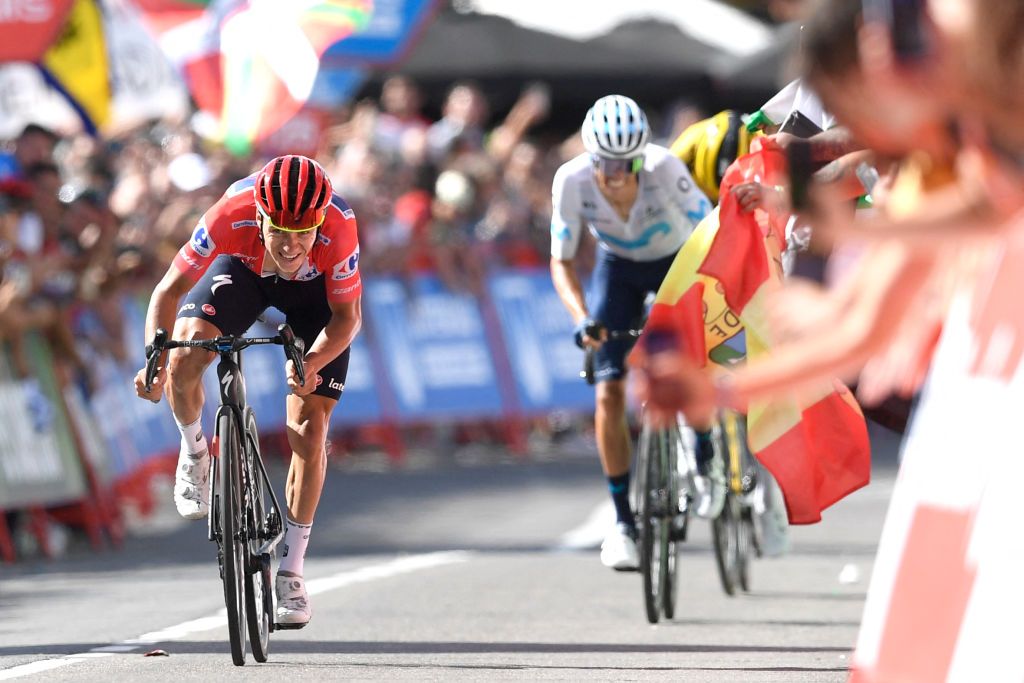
(245, 516)
(662, 493)
(733, 531)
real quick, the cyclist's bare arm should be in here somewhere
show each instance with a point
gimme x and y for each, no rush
(337, 335)
(570, 290)
(163, 305)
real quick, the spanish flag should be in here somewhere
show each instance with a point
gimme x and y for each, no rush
(714, 294)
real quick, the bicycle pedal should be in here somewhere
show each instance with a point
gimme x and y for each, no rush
(290, 627)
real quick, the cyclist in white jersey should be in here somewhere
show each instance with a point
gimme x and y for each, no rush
(641, 204)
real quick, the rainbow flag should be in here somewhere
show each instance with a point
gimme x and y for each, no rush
(714, 295)
(252, 64)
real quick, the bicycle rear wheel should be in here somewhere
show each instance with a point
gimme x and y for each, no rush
(232, 524)
(746, 547)
(648, 477)
(725, 532)
(259, 605)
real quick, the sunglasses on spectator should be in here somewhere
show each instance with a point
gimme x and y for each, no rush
(611, 167)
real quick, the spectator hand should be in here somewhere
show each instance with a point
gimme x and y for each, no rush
(590, 333)
(667, 382)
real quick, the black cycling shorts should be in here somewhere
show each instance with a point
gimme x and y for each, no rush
(231, 297)
(618, 288)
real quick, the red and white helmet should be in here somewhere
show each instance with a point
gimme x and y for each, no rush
(293, 192)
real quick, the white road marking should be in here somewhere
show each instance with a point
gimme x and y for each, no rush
(589, 534)
(401, 565)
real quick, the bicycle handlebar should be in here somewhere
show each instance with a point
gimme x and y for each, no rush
(294, 348)
(587, 373)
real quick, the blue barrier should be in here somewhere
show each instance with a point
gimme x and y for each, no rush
(433, 345)
(538, 337)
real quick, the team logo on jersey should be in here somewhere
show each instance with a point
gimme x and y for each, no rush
(337, 386)
(345, 209)
(186, 307)
(202, 241)
(310, 274)
(344, 290)
(324, 239)
(209, 310)
(244, 224)
(347, 268)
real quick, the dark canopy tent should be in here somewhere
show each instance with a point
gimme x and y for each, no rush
(649, 60)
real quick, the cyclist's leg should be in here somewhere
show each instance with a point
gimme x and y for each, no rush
(307, 311)
(617, 303)
(226, 300)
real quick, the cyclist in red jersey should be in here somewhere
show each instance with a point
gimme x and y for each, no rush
(280, 238)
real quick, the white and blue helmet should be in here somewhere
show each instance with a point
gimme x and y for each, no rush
(615, 128)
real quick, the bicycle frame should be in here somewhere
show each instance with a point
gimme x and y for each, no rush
(231, 383)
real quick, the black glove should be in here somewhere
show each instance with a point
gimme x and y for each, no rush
(587, 327)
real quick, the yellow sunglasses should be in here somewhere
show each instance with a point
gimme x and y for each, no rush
(274, 226)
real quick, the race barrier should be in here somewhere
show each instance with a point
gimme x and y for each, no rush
(425, 355)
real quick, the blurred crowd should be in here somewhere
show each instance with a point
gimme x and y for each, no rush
(86, 220)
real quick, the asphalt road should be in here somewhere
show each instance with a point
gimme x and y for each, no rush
(452, 568)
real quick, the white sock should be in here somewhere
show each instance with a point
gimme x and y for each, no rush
(192, 439)
(293, 553)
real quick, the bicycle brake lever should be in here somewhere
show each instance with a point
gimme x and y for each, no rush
(153, 355)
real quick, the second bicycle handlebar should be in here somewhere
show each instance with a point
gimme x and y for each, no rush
(294, 348)
(587, 372)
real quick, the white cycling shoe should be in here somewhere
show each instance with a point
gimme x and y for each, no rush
(619, 549)
(292, 602)
(191, 485)
(709, 488)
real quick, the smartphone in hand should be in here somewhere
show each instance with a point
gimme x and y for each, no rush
(801, 168)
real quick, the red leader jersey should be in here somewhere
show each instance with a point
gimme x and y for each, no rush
(230, 227)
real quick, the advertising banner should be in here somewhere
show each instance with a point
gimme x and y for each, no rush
(38, 461)
(538, 336)
(434, 349)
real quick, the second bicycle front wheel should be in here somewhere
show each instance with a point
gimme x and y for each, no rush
(232, 524)
(672, 452)
(648, 478)
(725, 532)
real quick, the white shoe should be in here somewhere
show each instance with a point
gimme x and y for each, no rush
(191, 487)
(292, 602)
(709, 489)
(619, 549)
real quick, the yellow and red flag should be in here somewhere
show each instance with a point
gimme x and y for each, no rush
(816, 447)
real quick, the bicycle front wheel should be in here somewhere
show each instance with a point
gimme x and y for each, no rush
(259, 605)
(671, 452)
(232, 525)
(646, 491)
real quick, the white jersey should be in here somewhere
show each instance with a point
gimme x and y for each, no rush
(668, 207)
